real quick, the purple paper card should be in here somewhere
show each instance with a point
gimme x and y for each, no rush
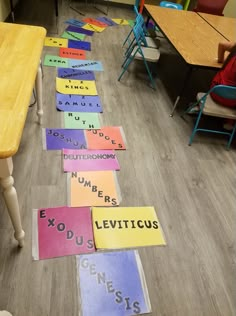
(76, 29)
(106, 20)
(112, 284)
(57, 139)
(89, 160)
(78, 103)
(79, 45)
(69, 73)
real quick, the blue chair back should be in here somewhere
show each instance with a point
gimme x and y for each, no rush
(227, 92)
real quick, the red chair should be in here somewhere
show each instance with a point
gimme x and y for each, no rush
(215, 7)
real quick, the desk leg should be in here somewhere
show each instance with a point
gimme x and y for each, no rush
(10, 197)
(186, 79)
(39, 94)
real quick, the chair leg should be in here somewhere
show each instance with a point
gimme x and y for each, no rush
(125, 67)
(149, 74)
(195, 128)
(231, 137)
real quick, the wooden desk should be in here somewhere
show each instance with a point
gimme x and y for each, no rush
(223, 25)
(193, 38)
(20, 52)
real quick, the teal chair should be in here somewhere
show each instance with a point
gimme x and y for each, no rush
(136, 50)
(209, 107)
(147, 40)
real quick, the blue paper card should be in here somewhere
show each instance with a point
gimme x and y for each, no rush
(75, 22)
(106, 20)
(78, 103)
(69, 73)
(76, 29)
(58, 139)
(85, 64)
(79, 44)
(112, 283)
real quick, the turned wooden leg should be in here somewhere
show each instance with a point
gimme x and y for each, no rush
(39, 94)
(10, 197)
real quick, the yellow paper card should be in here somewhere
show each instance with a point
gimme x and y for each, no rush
(94, 188)
(94, 28)
(121, 21)
(56, 42)
(81, 87)
(126, 227)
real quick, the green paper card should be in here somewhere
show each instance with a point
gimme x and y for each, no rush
(131, 22)
(77, 120)
(73, 36)
(56, 61)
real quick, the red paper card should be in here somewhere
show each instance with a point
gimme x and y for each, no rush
(109, 137)
(72, 53)
(62, 231)
(95, 22)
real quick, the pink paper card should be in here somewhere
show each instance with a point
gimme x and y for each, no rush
(62, 231)
(89, 160)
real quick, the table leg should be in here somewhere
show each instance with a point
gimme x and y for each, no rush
(56, 7)
(187, 76)
(10, 197)
(39, 94)
(12, 11)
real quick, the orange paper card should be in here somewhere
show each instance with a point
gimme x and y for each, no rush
(109, 137)
(95, 22)
(72, 53)
(94, 188)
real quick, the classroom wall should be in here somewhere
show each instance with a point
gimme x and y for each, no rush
(230, 9)
(4, 9)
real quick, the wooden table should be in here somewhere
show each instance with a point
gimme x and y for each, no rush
(223, 25)
(192, 37)
(20, 52)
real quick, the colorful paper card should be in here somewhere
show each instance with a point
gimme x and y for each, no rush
(112, 284)
(106, 20)
(126, 227)
(75, 22)
(78, 103)
(55, 61)
(89, 160)
(62, 231)
(72, 53)
(109, 137)
(93, 188)
(93, 28)
(86, 65)
(57, 139)
(131, 22)
(55, 42)
(69, 73)
(73, 36)
(76, 29)
(95, 22)
(70, 86)
(120, 21)
(79, 44)
(76, 120)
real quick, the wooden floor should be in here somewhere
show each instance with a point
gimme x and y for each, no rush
(192, 188)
